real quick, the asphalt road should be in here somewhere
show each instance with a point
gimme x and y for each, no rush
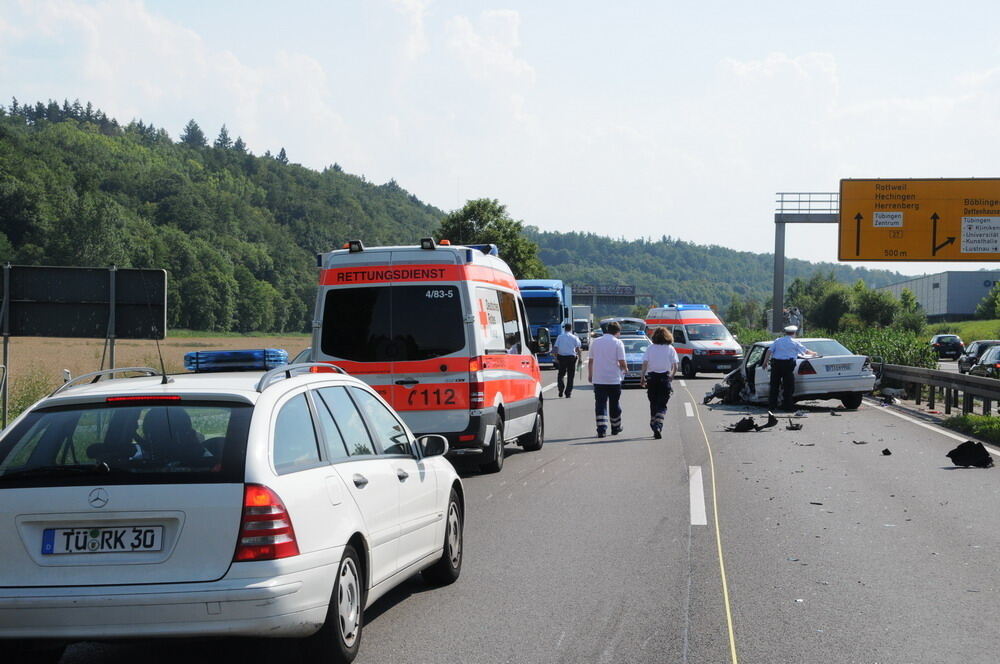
(586, 552)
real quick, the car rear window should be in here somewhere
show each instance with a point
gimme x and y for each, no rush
(948, 339)
(131, 443)
(393, 323)
(827, 347)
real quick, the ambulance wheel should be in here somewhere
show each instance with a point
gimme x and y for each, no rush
(532, 442)
(687, 369)
(495, 450)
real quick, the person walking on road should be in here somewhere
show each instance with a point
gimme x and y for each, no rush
(784, 351)
(659, 364)
(567, 350)
(605, 368)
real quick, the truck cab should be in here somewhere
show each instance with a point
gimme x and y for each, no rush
(548, 303)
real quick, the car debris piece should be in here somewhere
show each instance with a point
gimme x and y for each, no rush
(771, 421)
(806, 444)
(800, 413)
(860, 442)
(835, 413)
(744, 425)
(971, 453)
(793, 426)
(886, 452)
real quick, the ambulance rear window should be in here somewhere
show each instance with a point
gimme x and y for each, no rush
(392, 323)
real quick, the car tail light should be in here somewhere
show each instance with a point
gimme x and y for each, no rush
(937, 345)
(266, 531)
(806, 368)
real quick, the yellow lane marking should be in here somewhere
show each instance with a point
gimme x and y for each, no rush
(718, 537)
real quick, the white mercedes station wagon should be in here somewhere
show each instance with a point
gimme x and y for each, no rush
(275, 504)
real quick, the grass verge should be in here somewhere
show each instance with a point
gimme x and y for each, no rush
(983, 427)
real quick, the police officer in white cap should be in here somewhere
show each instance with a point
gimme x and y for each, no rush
(784, 351)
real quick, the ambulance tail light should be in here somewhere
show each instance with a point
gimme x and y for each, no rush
(806, 368)
(477, 395)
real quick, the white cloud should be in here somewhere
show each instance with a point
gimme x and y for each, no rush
(487, 48)
(415, 11)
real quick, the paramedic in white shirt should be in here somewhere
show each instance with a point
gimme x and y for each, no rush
(659, 364)
(567, 350)
(784, 351)
(605, 368)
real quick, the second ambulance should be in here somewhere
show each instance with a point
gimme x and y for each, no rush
(441, 333)
(703, 343)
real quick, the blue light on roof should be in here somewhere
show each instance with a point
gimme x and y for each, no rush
(259, 359)
(688, 307)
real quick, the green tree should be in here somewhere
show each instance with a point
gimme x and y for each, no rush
(193, 135)
(282, 157)
(911, 315)
(874, 307)
(832, 306)
(485, 221)
(223, 141)
(987, 307)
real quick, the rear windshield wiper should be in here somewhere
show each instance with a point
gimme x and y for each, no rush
(57, 470)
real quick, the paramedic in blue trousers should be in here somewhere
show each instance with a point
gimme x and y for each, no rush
(567, 350)
(784, 351)
(659, 364)
(605, 368)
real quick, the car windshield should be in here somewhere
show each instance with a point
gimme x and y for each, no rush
(392, 323)
(635, 345)
(543, 310)
(628, 326)
(707, 332)
(137, 442)
(826, 347)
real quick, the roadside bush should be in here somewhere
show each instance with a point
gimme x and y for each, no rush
(28, 388)
(892, 345)
(747, 335)
(983, 427)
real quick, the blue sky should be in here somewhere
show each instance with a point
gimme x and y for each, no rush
(627, 119)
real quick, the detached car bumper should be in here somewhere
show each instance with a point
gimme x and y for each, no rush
(290, 605)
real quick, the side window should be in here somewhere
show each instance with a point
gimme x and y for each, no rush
(755, 355)
(679, 335)
(511, 325)
(336, 447)
(295, 444)
(387, 429)
(488, 320)
(351, 427)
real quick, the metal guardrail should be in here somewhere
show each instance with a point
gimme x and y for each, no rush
(950, 384)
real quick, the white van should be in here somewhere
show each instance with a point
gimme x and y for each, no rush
(703, 343)
(441, 333)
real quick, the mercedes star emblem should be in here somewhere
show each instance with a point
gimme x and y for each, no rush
(98, 498)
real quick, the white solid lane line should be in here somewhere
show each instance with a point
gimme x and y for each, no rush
(698, 515)
(688, 410)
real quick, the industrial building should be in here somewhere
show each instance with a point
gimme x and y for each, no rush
(948, 296)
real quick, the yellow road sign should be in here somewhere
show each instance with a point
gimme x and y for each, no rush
(920, 220)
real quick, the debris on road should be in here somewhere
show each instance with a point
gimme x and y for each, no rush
(771, 421)
(806, 444)
(835, 413)
(860, 442)
(971, 453)
(886, 452)
(814, 503)
(793, 426)
(745, 424)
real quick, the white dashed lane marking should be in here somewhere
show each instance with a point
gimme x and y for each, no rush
(688, 409)
(698, 514)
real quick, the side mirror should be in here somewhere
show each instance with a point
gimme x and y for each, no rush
(432, 445)
(543, 344)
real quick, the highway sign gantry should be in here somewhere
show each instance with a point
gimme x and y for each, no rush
(920, 220)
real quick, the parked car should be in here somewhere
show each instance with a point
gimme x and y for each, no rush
(635, 350)
(973, 352)
(276, 504)
(836, 373)
(988, 365)
(947, 345)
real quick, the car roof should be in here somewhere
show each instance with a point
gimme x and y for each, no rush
(804, 339)
(226, 386)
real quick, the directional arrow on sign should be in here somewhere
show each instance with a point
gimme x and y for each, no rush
(857, 234)
(934, 245)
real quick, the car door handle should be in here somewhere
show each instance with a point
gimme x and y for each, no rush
(402, 474)
(408, 381)
(360, 481)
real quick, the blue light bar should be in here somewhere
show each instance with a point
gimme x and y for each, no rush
(260, 359)
(688, 307)
(489, 249)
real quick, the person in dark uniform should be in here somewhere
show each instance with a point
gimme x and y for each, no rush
(784, 352)
(567, 350)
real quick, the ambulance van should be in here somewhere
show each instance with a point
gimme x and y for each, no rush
(703, 343)
(441, 333)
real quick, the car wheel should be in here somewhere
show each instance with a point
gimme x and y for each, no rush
(532, 442)
(448, 569)
(851, 401)
(339, 638)
(33, 652)
(495, 464)
(687, 369)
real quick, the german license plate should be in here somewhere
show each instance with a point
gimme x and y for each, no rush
(120, 539)
(724, 366)
(631, 374)
(838, 367)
